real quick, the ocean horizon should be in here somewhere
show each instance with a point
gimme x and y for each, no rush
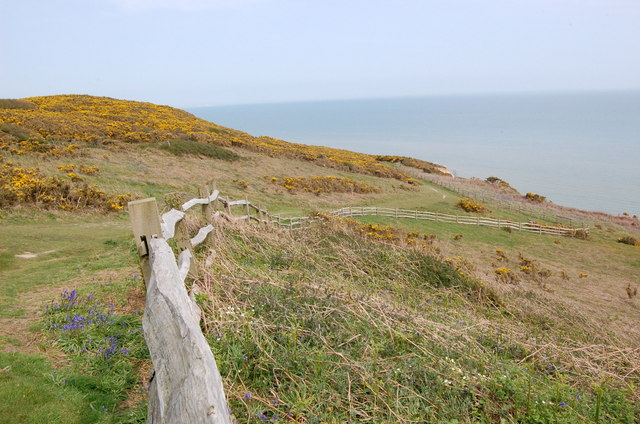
(579, 149)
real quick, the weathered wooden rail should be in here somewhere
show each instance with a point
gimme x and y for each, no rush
(186, 386)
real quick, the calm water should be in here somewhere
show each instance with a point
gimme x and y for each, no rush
(580, 150)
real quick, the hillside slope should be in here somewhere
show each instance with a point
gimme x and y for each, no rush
(349, 321)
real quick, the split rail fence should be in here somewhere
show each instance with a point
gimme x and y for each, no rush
(186, 386)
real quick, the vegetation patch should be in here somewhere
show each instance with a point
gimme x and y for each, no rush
(501, 184)
(16, 104)
(183, 146)
(470, 205)
(379, 334)
(423, 165)
(533, 197)
(326, 184)
(20, 186)
(631, 241)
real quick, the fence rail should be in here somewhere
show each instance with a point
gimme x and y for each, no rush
(186, 386)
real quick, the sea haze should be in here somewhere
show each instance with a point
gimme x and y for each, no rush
(578, 149)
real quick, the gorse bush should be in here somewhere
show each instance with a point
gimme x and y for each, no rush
(31, 187)
(631, 241)
(470, 205)
(501, 184)
(326, 184)
(535, 197)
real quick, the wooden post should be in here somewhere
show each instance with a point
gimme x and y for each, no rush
(246, 207)
(186, 386)
(206, 209)
(183, 242)
(145, 222)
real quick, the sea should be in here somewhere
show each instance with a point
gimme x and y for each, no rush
(577, 149)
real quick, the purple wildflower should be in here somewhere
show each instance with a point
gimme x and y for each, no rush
(248, 395)
(562, 404)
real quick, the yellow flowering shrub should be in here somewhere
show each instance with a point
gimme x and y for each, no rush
(505, 275)
(470, 205)
(460, 264)
(88, 170)
(327, 184)
(535, 197)
(30, 186)
(74, 177)
(631, 241)
(67, 168)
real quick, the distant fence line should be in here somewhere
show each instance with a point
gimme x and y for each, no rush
(186, 386)
(457, 219)
(505, 201)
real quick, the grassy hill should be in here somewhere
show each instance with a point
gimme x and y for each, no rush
(332, 324)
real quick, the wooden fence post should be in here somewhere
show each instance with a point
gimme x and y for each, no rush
(145, 222)
(186, 386)
(183, 242)
(205, 192)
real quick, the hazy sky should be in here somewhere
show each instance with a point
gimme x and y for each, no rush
(215, 52)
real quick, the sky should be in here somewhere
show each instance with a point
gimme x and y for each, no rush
(188, 53)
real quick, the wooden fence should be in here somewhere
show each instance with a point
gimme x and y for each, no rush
(457, 219)
(186, 386)
(546, 211)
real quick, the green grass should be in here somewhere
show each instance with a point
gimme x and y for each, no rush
(103, 351)
(16, 104)
(330, 327)
(180, 146)
(67, 248)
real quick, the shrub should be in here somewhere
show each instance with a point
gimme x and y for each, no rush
(580, 234)
(183, 146)
(89, 170)
(631, 241)
(505, 275)
(470, 205)
(535, 197)
(241, 184)
(66, 168)
(30, 186)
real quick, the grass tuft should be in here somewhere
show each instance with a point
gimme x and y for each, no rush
(183, 146)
